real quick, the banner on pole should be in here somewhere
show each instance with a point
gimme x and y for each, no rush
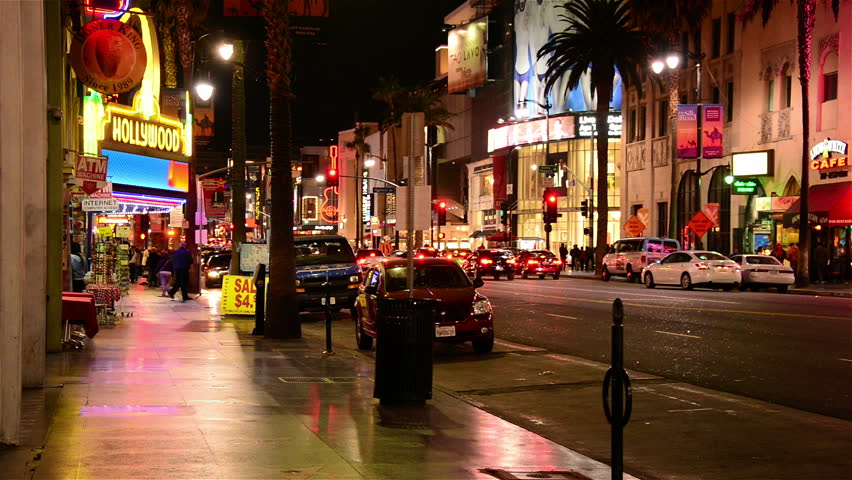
(713, 127)
(687, 131)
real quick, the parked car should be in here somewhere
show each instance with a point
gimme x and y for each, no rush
(366, 258)
(490, 261)
(629, 256)
(538, 262)
(764, 271)
(216, 267)
(693, 268)
(322, 259)
(463, 313)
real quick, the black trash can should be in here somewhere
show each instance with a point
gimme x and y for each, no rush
(404, 334)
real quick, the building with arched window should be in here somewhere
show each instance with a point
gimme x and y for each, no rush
(753, 71)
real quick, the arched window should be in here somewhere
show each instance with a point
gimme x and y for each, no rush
(719, 239)
(792, 188)
(687, 203)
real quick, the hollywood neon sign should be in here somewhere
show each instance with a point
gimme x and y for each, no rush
(134, 131)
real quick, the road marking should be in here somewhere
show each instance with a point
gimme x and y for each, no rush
(695, 309)
(844, 360)
(562, 316)
(676, 334)
(689, 410)
(646, 295)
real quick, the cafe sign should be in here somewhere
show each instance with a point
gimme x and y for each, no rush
(823, 160)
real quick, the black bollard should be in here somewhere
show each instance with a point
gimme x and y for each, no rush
(259, 281)
(329, 315)
(622, 394)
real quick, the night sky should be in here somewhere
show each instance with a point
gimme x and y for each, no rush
(365, 39)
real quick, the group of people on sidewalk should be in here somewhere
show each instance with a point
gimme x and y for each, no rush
(168, 270)
(820, 260)
(582, 259)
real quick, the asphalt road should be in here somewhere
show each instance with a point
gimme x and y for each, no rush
(793, 350)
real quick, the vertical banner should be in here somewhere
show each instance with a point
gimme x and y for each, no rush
(687, 131)
(499, 175)
(214, 197)
(712, 126)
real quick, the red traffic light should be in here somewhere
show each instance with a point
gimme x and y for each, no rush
(551, 199)
(442, 205)
(332, 178)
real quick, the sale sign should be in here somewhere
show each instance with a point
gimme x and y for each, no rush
(238, 295)
(687, 131)
(712, 126)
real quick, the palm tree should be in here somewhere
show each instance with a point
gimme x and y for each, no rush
(805, 17)
(662, 22)
(389, 91)
(282, 319)
(361, 148)
(600, 37)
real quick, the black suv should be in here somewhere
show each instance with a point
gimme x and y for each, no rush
(493, 261)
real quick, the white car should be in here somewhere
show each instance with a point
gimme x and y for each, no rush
(693, 268)
(764, 271)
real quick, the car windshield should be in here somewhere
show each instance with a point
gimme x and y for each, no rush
(629, 246)
(219, 261)
(755, 260)
(318, 252)
(427, 276)
(710, 256)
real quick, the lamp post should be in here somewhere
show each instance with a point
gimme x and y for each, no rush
(670, 63)
(523, 112)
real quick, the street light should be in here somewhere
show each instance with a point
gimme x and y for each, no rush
(204, 90)
(225, 51)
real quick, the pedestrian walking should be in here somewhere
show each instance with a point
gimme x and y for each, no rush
(563, 254)
(793, 258)
(153, 260)
(590, 259)
(575, 257)
(779, 253)
(181, 262)
(820, 261)
(135, 264)
(79, 268)
(583, 258)
(164, 273)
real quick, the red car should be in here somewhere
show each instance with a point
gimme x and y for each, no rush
(538, 262)
(463, 313)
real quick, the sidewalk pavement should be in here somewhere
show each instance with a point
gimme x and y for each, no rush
(833, 289)
(176, 392)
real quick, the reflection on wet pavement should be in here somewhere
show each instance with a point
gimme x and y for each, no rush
(178, 392)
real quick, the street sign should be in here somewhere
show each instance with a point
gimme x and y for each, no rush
(547, 182)
(700, 224)
(634, 227)
(548, 169)
(384, 190)
(510, 189)
(100, 205)
(91, 168)
(105, 192)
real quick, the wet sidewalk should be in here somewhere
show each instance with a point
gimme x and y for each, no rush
(175, 392)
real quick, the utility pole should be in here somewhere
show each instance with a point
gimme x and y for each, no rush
(238, 153)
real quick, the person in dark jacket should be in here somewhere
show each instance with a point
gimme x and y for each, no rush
(563, 255)
(181, 261)
(153, 260)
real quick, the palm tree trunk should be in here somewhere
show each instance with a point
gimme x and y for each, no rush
(603, 86)
(282, 319)
(674, 99)
(806, 10)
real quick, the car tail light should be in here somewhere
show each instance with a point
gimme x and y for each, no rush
(532, 262)
(385, 260)
(463, 254)
(362, 261)
(450, 256)
(421, 256)
(557, 262)
(486, 261)
(372, 254)
(702, 266)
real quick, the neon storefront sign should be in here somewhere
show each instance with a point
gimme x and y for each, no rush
(822, 158)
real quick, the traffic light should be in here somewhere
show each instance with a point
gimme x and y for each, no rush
(587, 231)
(550, 204)
(442, 212)
(504, 213)
(441, 235)
(332, 177)
(584, 208)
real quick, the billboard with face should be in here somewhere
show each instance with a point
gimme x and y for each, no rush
(535, 22)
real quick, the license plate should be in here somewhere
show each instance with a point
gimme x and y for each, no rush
(445, 331)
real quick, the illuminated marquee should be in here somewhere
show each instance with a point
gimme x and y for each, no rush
(821, 155)
(141, 127)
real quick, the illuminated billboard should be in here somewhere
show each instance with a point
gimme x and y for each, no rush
(467, 52)
(151, 172)
(535, 22)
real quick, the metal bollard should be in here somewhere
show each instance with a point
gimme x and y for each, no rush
(329, 315)
(622, 393)
(259, 281)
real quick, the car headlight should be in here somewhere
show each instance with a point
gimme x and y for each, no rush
(354, 279)
(213, 274)
(481, 306)
(298, 282)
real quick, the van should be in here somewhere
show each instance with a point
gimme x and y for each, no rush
(630, 255)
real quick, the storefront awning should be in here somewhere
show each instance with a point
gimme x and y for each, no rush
(829, 204)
